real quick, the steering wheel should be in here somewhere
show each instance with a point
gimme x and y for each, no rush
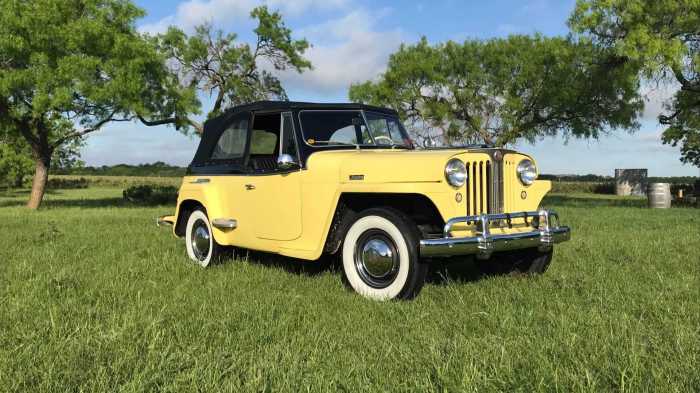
(383, 138)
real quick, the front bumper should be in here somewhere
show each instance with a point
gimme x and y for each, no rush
(545, 232)
(165, 221)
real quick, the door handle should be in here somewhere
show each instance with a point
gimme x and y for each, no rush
(200, 181)
(249, 187)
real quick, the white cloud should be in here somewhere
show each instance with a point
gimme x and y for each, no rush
(649, 136)
(655, 96)
(224, 12)
(345, 50)
(349, 48)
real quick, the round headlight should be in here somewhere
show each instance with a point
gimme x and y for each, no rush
(527, 172)
(456, 173)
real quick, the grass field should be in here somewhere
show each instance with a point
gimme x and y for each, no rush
(94, 297)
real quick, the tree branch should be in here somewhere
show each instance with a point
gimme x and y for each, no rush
(685, 83)
(198, 127)
(83, 132)
(153, 123)
(219, 100)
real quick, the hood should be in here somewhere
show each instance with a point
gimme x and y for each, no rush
(394, 166)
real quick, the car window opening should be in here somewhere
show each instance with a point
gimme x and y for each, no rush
(349, 127)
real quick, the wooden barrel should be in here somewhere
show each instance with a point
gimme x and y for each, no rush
(659, 195)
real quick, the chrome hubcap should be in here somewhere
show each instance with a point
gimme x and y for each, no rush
(376, 259)
(200, 240)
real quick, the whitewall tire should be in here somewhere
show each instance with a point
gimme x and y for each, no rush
(380, 256)
(199, 240)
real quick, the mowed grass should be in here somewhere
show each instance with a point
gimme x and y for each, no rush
(94, 297)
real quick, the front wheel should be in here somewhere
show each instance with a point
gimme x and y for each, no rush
(200, 243)
(380, 255)
(529, 261)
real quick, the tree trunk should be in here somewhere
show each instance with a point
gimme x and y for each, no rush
(41, 177)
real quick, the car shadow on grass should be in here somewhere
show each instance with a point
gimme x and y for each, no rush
(441, 271)
(297, 266)
(458, 269)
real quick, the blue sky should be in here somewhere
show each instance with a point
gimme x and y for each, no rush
(352, 40)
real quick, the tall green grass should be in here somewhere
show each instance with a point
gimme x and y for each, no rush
(118, 181)
(94, 297)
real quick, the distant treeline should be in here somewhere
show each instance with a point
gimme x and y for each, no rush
(610, 179)
(161, 169)
(156, 169)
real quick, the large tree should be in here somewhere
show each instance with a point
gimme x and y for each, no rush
(228, 71)
(663, 37)
(68, 67)
(500, 90)
(16, 164)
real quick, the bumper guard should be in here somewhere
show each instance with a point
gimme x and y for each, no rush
(546, 232)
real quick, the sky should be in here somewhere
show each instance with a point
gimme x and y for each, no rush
(351, 42)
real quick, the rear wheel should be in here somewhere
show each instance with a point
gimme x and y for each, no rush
(201, 245)
(380, 255)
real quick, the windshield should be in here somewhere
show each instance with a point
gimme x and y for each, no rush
(348, 127)
(386, 130)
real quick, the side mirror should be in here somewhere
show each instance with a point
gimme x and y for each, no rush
(286, 162)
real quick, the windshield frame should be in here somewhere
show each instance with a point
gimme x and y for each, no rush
(407, 144)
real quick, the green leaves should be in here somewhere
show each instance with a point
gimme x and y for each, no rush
(67, 68)
(502, 90)
(64, 55)
(684, 126)
(231, 72)
(15, 163)
(662, 38)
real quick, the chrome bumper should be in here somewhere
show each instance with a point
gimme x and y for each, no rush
(165, 221)
(546, 232)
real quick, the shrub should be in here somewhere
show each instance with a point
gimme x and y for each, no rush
(122, 181)
(150, 194)
(65, 184)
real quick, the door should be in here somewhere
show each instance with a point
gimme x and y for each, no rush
(274, 195)
(220, 176)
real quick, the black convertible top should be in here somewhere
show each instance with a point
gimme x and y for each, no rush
(214, 127)
(298, 105)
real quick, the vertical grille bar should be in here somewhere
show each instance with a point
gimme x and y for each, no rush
(490, 188)
(475, 195)
(477, 187)
(482, 188)
(468, 197)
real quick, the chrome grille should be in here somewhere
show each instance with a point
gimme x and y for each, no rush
(484, 191)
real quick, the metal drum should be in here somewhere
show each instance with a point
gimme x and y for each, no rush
(659, 195)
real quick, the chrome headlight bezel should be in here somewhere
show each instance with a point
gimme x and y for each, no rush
(456, 173)
(527, 172)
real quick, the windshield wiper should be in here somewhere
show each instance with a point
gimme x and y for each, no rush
(336, 143)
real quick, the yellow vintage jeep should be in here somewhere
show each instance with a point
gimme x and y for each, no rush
(307, 180)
